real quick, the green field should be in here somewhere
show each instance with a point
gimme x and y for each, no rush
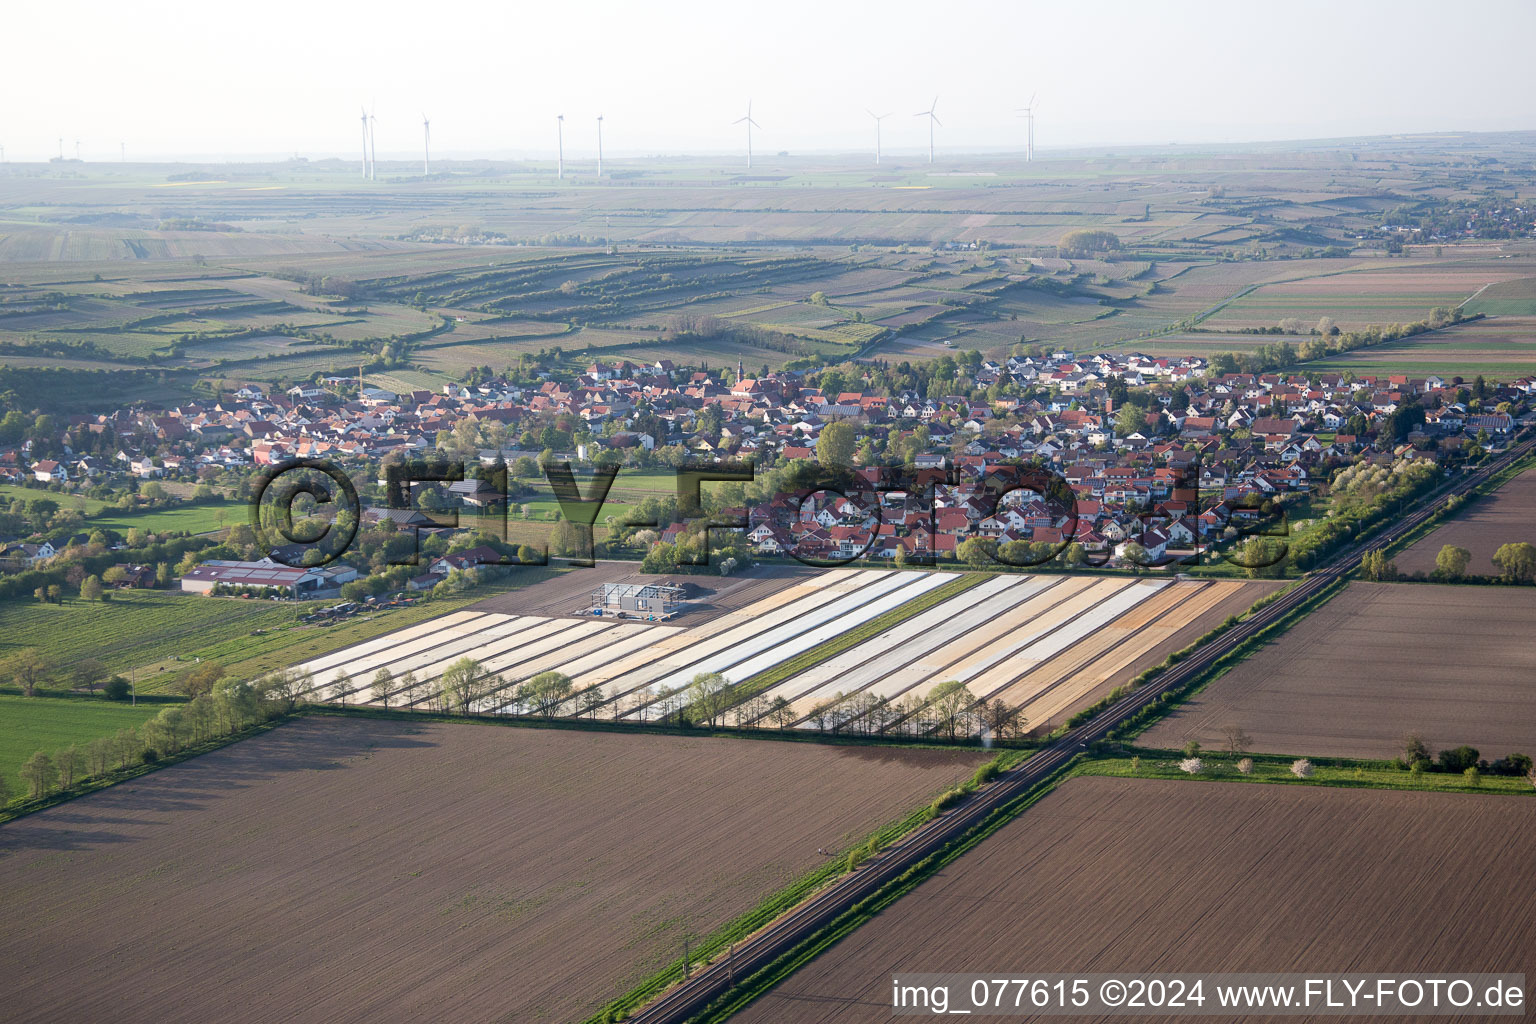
(87, 506)
(191, 518)
(30, 724)
(1506, 298)
(135, 629)
(1501, 347)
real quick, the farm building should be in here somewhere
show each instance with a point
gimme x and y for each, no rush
(266, 575)
(638, 598)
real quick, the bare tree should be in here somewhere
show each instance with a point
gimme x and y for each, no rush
(591, 699)
(1002, 719)
(27, 667)
(410, 688)
(640, 701)
(824, 714)
(1237, 740)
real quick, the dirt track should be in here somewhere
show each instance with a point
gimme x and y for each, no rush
(1142, 875)
(380, 871)
(1503, 517)
(1455, 664)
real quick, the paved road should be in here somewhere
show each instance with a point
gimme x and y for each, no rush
(761, 949)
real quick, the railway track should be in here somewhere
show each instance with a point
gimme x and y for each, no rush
(682, 1002)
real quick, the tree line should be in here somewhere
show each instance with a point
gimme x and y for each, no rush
(228, 707)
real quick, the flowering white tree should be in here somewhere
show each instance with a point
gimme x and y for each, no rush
(1301, 768)
(1245, 766)
(1192, 765)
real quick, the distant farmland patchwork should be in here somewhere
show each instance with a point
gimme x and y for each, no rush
(1373, 295)
(388, 871)
(1157, 876)
(1046, 644)
(1454, 664)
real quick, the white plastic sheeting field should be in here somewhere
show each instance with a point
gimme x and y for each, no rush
(1041, 643)
(792, 630)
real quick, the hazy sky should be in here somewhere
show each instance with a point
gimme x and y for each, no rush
(278, 77)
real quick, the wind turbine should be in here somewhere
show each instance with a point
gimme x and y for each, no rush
(77, 149)
(365, 143)
(1029, 138)
(750, 124)
(599, 145)
(426, 145)
(373, 150)
(933, 119)
(560, 146)
(878, 118)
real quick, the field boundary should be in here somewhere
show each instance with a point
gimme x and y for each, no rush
(764, 980)
(1275, 770)
(1148, 675)
(1140, 722)
(776, 904)
(681, 728)
(119, 775)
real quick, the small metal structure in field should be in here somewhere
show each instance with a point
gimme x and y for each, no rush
(644, 599)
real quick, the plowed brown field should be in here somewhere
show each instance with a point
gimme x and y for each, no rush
(1139, 875)
(1506, 516)
(337, 870)
(1454, 664)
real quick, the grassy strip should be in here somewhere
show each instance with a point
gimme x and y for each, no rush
(772, 676)
(1275, 769)
(1167, 663)
(1143, 719)
(767, 978)
(117, 775)
(779, 903)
